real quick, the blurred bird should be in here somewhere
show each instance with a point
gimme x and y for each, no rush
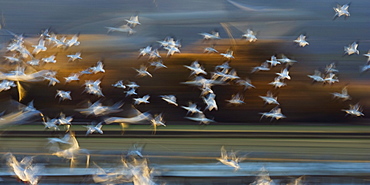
(133, 21)
(40, 47)
(246, 83)
(317, 76)
(171, 99)
(201, 118)
(229, 159)
(208, 36)
(196, 68)
(277, 83)
(24, 170)
(74, 57)
(236, 99)
(351, 49)
(63, 95)
(94, 128)
(341, 10)
(145, 51)
(211, 102)
(301, 40)
(192, 108)
(250, 36)
(157, 121)
(342, 95)
(97, 109)
(144, 99)
(354, 110)
(274, 113)
(273, 61)
(142, 71)
(270, 99)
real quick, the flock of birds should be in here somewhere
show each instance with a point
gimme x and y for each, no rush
(134, 166)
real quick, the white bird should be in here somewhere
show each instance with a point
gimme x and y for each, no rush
(63, 95)
(236, 99)
(94, 128)
(317, 76)
(13, 59)
(223, 66)
(98, 68)
(157, 121)
(250, 36)
(72, 42)
(226, 75)
(171, 99)
(50, 59)
(365, 67)
(229, 159)
(124, 28)
(211, 102)
(269, 98)
(93, 87)
(301, 40)
(286, 60)
(40, 47)
(354, 110)
(138, 118)
(228, 55)
(131, 91)
(132, 85)
(63, 140)
(210, 50)
(24, 170)
(171, 50)
(330, 78)
(6, 85)
(284, 74)
(196, 68)
(34, 62)
(144, 99)
(263, 178)
(145, 51)
(277, 83)
(274, 113)
(142, 71)
(119, 84)
(74, 57)
(71, 151)
(342, 95)
(72, 77)
(331, 68)
(246, 83)
(341, 10)
(351, 49)
(63, 120)
(59, 43)
(192, 108)
(208, 36)
(367, 55)
(51, 123)
(97, 109)
(273, 61)
(133, 21)
(158, 64)
(135, 151)
(154, 54)
(201, 118)
(263, 67)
